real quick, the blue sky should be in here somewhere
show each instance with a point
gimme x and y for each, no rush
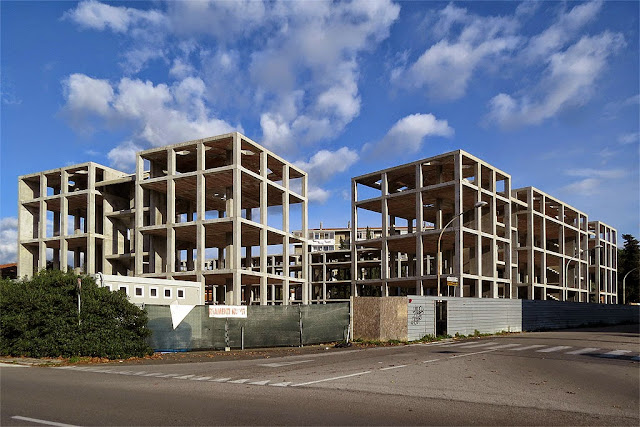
(547, 91)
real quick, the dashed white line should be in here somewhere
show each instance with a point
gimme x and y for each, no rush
(429, 361)
(220, 380)
(184, 377)
(393, 367)
(241, 381)
(481, 345)
(471, 354)
(200, 379)
(167, 375)
(552, 349)
(331, 379)
(465, 343)
(283, 384)
(615, 353)
(279, 364)
(504, 346)
(13, 365)
(153, 374)
(265, 382)
(37, 421)
(583, 350)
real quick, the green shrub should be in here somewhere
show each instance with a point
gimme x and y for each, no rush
(39, 318)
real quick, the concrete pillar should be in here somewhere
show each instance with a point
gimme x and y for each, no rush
(170, 257)
(384, 258)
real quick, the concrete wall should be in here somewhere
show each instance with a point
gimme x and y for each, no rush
(380, 318)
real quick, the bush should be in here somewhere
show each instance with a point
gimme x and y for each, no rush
(39, 318)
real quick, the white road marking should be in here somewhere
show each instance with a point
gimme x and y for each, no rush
(529, 347)
(481, 345)
(265, 382)
(167, 375)
(429, 361)
(241, 381)
(284, 384)
(464, 343)
(583, 350)
(615, 353)
(279, 364)
(393, 367)
(504, 346)
(184, 377)
(551, 349)
(331, 379)
(200, 378)
(153, 374)
(140, 373)
(14, 365)
(220, 380)
(37, 421)
(470, 354)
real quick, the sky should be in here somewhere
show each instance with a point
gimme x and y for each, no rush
(546, 91)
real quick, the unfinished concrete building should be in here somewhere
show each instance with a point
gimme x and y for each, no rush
(603, 263)
(215, 210)
(501, 243)
(423, 196)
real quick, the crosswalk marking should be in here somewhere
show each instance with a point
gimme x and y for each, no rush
(481, 345)
(283, 384)
(220, 380)
(615, 353)
(529, 347)
(200, 379)
(463, 344)
(583, 350)
(279, 364)
(241, 381)
(503, 346)
(265, 382)
(392, 367)
(184, 377)
(153, 374)
(552, 349)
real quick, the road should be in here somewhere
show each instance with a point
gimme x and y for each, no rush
(577, 377)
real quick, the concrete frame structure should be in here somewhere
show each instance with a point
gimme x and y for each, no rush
(603, 265)
(523, 243)
(423, 196)
(193, 201)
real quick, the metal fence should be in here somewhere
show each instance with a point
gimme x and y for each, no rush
(540, 315)
(264, 326)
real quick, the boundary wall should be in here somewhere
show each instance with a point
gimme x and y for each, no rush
(464, 316)
(264, 326)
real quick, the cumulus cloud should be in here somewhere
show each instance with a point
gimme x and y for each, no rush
(569, 80)
(123, 156)
(8, 240)
(446, 67)
(94, 15)
(597, 173)
(407, 135)
(323, 166)
(157, 114)
(562, 30)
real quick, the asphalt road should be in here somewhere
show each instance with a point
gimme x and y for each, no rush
(579, 377)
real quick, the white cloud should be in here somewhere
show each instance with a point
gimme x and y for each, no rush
(561, 31)
(94, 15)
(123, 156)
(569, 80)
(322, 166)
(407, 135)
(446, 67)
(629, 138)
(160, 114)
(584, 187)
(597, 173)
(8, 240)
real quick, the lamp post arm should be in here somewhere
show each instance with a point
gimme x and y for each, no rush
(624, 285)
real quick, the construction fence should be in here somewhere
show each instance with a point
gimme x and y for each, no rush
(453, 315)
(264, 326)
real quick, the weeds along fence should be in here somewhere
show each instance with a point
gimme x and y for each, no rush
(264, 326)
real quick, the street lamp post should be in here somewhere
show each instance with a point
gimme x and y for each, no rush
(624, 285)
(566, 269)
(477, 205)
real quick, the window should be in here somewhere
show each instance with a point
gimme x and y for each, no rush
(139, 291)
(153, 292)
(167, 292)
(124, 289)
(180, 293)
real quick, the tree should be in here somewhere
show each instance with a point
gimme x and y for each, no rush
(39, 317)
(628, 259)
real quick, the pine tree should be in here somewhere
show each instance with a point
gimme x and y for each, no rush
(629, 259)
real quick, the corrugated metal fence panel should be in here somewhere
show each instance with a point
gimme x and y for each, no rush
(421, 317)
(265, 326)
(540, 315)
(467, 315)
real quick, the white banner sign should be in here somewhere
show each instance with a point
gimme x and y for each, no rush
(228, 311)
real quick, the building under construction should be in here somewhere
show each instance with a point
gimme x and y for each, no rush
(219, 211)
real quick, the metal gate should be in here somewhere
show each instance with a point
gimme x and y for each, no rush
(441, 318)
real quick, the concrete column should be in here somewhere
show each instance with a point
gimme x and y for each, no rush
(419, 263)
(306, 286)
(139, 217)
(263, 229)
(237, 214)
(285, 228)
(171, 214)
(530, 239)
(459, 244)
(64, 216)
(384, 256)
(42, 222)
(354, 235)
(90, 222)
